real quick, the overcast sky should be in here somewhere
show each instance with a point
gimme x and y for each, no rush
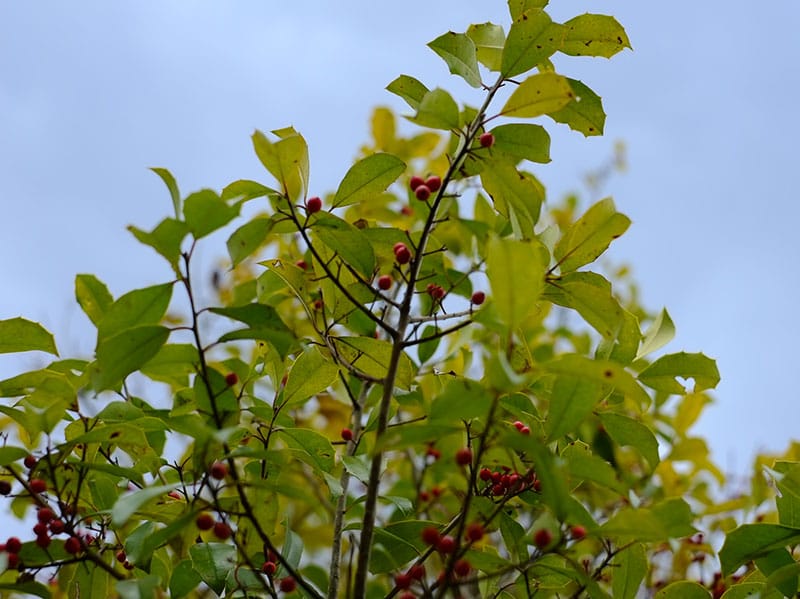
(93, 93)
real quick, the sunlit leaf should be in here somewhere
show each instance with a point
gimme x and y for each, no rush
(458, 51)
(121, 354)
(213, 561)
(533, 37)
(437, 110)
(627, 431)
(311, 373)
(166, 238)
(138, 307)
(589, 294)
(630, 569)
(571, 401)
(408, 88)
(523, 142)
(752, 541)
(489, 40)
(594, 35)
(315, 448)
(539, 94)
(205, 212)
(509, 262)
(93, 297)
(584, 113)
(683, 589)
(662, 375)
(19, 335)
(172, 186)
(347, 241)
(590, 235)
(367, 178)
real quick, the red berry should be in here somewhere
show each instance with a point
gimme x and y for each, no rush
(269, 568)
(478, 298)
(287, 585)
(384, 282)
(30, 462)
(430, 535)
(56, 526)
(475, 531)
(128, 566)
(403, 581)
(402, 254)
(446, 544)
(38, 485)
(72, 545)
(417, 571)
(204, 521)
(43, 541)
(407, 210)
(231, 379)
(318, 304)
(40, 528)
(537, 485)
(485, 474)
(13, 545)
(218, 470)
(424, 496)
(464, 456)
(525, 430)
(44, 515)
(415, 182)
(433, 183)
(437, 491)
(422, 192)
(5, 487)
(222, 531)
(518, 425)
(175, 495)
(462, 567)
(486, 140)
(542, 538)
(301, 264)
(347, 434)
(498, 489)
(121, 556)
(313, 205)
(12, 560)
(577, 532)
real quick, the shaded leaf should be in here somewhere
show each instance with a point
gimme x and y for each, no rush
(589, 294)
(584, 113)
(135, 308)
(316, 450)
(522, 142)
(123, 353)
(509, 262)
(627, 431)
(205, 212)
(461, 399)
(571, 401)
(437, 110)
(752, 541)
(372, 356)
(516, 195)
(458, 51)
(166, 238)
(661, 332)
(129, 503)
(630, 569)
(408, 88)
(248, 238)
(683, 589)
(347, 241)
(604, 372)
(311, 373)
(213, 561)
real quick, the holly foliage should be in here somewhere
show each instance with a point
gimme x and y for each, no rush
(422, 384)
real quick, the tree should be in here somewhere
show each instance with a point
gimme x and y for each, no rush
(411, 387)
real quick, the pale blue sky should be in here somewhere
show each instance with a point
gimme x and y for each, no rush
(93, 93)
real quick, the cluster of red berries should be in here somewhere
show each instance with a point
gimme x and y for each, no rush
(504, 482)
(205, 521)
(434, 493)
(435, 291)
(11, 547)
(405, 580)
(122, 558)
(401, 253)
(423, 188)
(522, 427)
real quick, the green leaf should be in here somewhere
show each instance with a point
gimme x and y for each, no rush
(571, 401)
(372, 357)
(311, 373)
(315, 449)
(125, 352)
(426, 349)
(787, 479)
(368, 178)
(630, 567)
(661, 332)
(459, 52)
(248, 238)
(661, 374)
(205, 212)
(627, 431)
(509, 262)
(522, 142)
(29, 587)
(411, 90)
(683, 589)
(781, 571)
(173, 364)
(213, 561)
(347, 241)
(752, 541)
(9, 455)
(590, 235)
(93, 297)
(584, 113)
(489, 40)
(594, 35)
(172, 186)
(19, 335)
(286, 160)
(671, 519)
(589, 294)
(244, 189)
(461, 399)
(166, 238)
(437, 110)
(135, 308)
(139, 588)
(129, 503)
(532, 39)
(517, 196)
(517, 7)
(539, 94)
(184, 580)
(583, 465)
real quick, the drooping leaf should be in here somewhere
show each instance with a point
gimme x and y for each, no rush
(347, 241)
(594, 35)
(248, 238)
(589, 294)
(138, 307)
(661, 332)
(631, 567)
(533, 38)
(539, 94)
(411, 90)
(184, 579)
(584, 113)
(121, 354)
(489, 40)
(311, 373)
(437, 110)
(286, 159)
(19, 335)
(516, 195)
(172, 186)
(166, 238)
(93, 297)
(205, 212)
(522, 141)
(459, 52)
(509, 262)
(368, 178)
(627, 431)
(590, 235)
(662, 374)
(213, 561)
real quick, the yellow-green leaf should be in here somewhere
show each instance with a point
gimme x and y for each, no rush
(19, 335)
(311, 373)
(594, 35)
(662, 374)
(584, 113)
(410, 89)
(533, 38)
(437, 110)
(93, 297)
(459, 52)
(590, 235)
(539, 94)
(489, 40)
(367, 178)
(508, 263)
(172, 186)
